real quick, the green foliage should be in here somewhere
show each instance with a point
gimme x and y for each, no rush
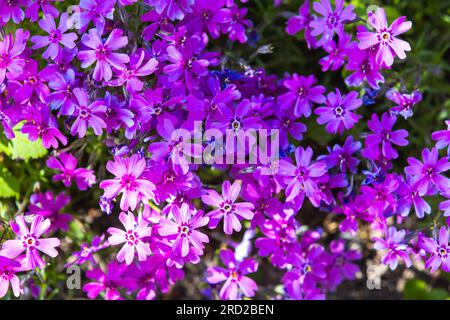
(22, 148)
(9, 186)
(417, 289)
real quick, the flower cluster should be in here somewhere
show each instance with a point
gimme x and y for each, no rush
(89, 81)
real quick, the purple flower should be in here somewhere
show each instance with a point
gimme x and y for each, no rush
(12, 10)
(396, 247)
(442, 137)
(412, 196)
(234, 276)
(32, 12)
(30, 240)
(438, 249)
(128, 181)
(181, 229)
(108, 282)
(342, 156)
(129, 75)
(8, 270)
(383, 134)
(40, 123)
(227, 208)
(337, 52)
(428, 173)
(285, 123)
(96, 11)
(67, 164)
(337, 112)
(303, 173)
(237, 24)
(11, 62)
(62, 96)
(343, 266)
(103, 53)
(87, 115)
(48, 206)
(55, 36)
(33, 82)
(301, 95)
(174, 9)
(300, 22)
(87, 251)
(135, 231)
(405, 102)
(332, 21)
(209, 16)
(364, 67)
(385, 37)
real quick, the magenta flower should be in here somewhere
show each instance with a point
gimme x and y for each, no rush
(49, 207)
(108, 282)
(383, 134)
(303, 174)
(337, 112)
(385, 37)
(300, 22)
(332, 21)
(56, 36)
(396, 248)
(40, 123)
(237, 24)
(12, 10)
(411, 195)
(302, 94)
(341, 157)
(103, 53)
(87, 115)
(30, 240)
(234, 276)
(209, 16)
(128, 181)
(67, 164)
(135, 231)
(32, 12)
(364, 67)
(182, 229)
(438, 249)
(405, 102)
(129, 75)
(227, 208)
(343, 263)
(11, 62)
(380, 198)
(8, 270)
(429, 173)
(174, 9)
(337, 52)
(442, 137)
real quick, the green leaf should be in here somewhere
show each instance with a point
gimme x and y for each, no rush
(417, 289)
(9, 186)
(22, 148)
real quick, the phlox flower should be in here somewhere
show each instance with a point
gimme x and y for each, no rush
(380, 197)
(11, 48)
(341, 157)
(337, 112)
(96, 11)
(303, 173)
(442, 137)
(209, 16)
(438, 250)
(301, 22)
(55, 36)
(137, 68)
(135, 231)
(49, 206)
(411, 195)
(405, 102)
(301, 95)
(8, 270)
(384, 135)
(385, 37)
(32, 12)
(62, 95)
(128, 181)
(332, 21)
(396, 248)
(87, 115)
(12, 10)
(343, 266)
(337, 52)
(67, 164)
(363, 67)
(237, 24)
(181, 229)
(227, 208)
(234, 276)
(108, 282)
(103, 53)
(429, 172)
(29, 240)
(173, 9)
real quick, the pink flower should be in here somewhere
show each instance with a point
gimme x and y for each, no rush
(29, 240)
(227, 208)
(128, 182)
(133, 236)
(8, 269)
(385, 37)
(67, 164)
(103, 54)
